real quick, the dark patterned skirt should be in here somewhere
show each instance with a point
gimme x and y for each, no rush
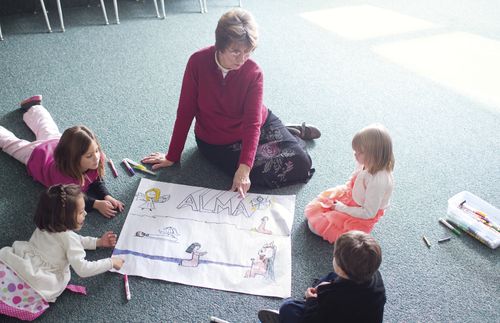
(281, 158)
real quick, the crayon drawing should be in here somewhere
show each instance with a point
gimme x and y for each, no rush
(209, 238)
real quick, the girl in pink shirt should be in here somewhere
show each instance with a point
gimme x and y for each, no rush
(75, 157)
(360, 203)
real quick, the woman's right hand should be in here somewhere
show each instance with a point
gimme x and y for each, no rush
(158, 160)
(117, 262)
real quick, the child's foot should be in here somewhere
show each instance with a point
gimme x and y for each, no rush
(269, 316)
(26, 104)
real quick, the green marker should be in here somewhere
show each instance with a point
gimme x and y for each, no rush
(449, 226)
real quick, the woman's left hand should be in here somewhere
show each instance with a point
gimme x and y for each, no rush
(118, 205)
(241, 180)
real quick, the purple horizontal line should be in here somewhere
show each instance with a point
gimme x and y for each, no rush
(172, 259)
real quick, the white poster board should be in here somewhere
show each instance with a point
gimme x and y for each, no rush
(209, 238)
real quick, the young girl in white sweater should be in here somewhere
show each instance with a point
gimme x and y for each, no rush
(358, 204)
(37, 271)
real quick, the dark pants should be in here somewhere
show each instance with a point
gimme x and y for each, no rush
(281, 158)
(291, 310)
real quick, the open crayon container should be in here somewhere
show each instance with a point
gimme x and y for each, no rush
(476, 217)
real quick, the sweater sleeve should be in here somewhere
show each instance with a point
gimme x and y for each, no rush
(186, 111)
(75, 253)
(252, 120)
(375, 190)
(98, 189)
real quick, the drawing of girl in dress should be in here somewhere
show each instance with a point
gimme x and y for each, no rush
(193, 249)
(151, 197)
(264, 266)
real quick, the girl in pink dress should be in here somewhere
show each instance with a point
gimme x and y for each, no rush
(360, 203)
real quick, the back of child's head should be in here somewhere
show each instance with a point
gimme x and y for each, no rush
(57, 208)
(358, 254)
(74, 143)
(376, 144)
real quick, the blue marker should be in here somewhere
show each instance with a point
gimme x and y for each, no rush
(127, 165)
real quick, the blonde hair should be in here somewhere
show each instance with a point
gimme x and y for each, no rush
(154, 190)
(74, 143)
(236, 26)
(375, 142)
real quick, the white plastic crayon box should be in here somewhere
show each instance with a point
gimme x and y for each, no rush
(476, 217)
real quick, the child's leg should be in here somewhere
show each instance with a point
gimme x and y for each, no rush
(41, 123)
(291, 311)
(18, 148)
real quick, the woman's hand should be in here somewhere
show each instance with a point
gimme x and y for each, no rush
(158, 160)
(108, 240)
(106, 208)
(117, 262)
(118, 205)
(241, 180)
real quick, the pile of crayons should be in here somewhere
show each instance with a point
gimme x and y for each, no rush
(130, 165)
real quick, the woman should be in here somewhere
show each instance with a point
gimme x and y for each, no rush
(223, 89)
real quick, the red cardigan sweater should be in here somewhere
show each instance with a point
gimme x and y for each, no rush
(226, 110)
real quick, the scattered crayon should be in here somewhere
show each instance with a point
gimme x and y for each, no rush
(427, 242)
(127, 287)
(113, 168)
(127, 165)
(444, 239)
(449, 226)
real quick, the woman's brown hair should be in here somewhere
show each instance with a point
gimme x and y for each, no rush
(57, 209)
(236, 26)
(74, 143)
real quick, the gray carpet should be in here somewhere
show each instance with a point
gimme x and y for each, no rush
(123, 82)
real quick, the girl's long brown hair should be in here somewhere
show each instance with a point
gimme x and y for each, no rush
(74, 143)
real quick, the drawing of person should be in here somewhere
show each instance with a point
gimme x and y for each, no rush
(151, 197)
(264, 266)
(262, 227)
(193, 249)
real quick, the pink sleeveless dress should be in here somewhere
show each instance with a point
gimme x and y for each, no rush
(330, 224)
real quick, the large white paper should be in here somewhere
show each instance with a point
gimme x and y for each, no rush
(209, 238)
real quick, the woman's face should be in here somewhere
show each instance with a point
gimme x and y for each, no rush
(234, 56)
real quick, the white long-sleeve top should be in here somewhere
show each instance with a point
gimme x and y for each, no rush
(43, 261)
(370, 192)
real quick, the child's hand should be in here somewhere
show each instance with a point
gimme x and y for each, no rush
(311, 292)
(108, 240)
(117, 262)
(104, 207)
(118, 205)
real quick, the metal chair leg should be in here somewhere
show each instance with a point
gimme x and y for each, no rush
(156, 7)
(116, 12)
(205, 5)
(202, 9)
(163, 9)
(42, 3)
(240, 4)
(104, 12)
(59, 9)
(1, 36)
